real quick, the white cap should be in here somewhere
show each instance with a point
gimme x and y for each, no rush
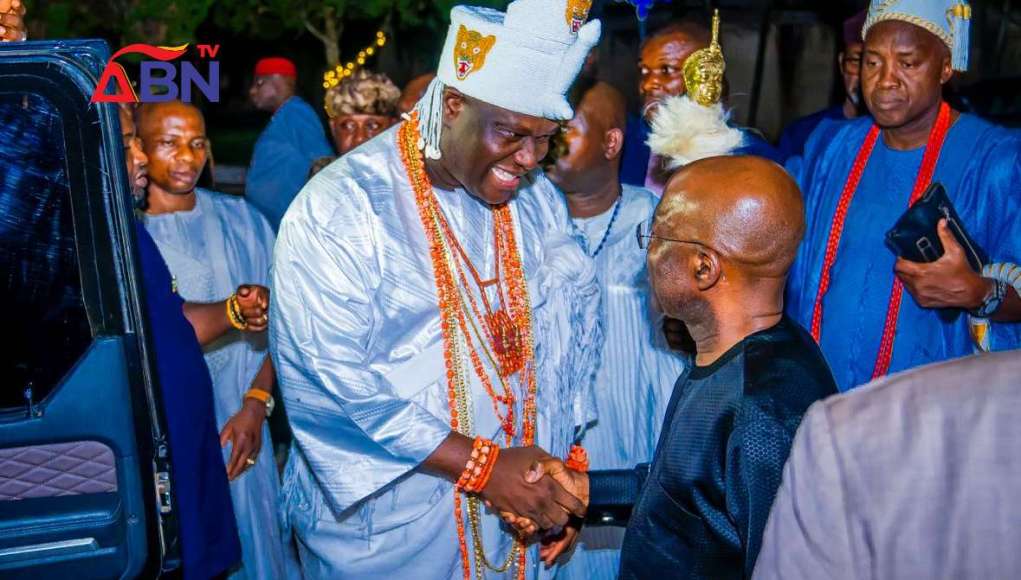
(523, 61)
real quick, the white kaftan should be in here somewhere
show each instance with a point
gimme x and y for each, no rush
(356, 339)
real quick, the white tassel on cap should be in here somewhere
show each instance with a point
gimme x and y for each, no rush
(430, 119)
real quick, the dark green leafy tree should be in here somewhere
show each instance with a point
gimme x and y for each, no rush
(166, 22)
(171, 22)
(327, 20)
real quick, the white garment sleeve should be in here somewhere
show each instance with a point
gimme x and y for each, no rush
(356, 432)
(567, 281)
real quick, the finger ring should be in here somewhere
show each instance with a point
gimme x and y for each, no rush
(250, 461)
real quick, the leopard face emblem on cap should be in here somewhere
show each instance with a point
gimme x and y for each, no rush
(470, 51)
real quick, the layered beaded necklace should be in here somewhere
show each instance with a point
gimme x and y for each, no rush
(504, 336)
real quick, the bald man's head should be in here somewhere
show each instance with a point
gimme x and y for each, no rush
(594, 139)
(150, 116)
(174, 139)
(741, 220)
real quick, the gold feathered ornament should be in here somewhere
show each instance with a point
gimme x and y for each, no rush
(694, 125)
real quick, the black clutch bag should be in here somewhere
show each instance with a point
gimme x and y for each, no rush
(914, 236)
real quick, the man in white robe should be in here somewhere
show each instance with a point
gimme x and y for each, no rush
(367, 367)
(212, 242)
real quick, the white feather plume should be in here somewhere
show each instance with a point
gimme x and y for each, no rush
(684, 131)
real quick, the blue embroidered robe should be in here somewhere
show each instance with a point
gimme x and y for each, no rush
(980, 166)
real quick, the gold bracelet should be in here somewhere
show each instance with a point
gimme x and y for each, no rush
(258, 395)
(234, 316)
(263, 396)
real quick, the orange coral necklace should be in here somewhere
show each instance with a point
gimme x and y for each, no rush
(507, 332)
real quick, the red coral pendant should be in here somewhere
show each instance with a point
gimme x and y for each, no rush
(508, 343)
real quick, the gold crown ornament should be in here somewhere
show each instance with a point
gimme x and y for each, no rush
(703, 70)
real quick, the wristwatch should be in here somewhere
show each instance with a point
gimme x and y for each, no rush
(993, 300)
(265, 397)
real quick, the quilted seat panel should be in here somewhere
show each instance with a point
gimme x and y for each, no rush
(57, 469)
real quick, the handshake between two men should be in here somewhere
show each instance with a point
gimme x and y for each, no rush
(534, 492)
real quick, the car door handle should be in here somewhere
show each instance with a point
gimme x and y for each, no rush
(49, 549)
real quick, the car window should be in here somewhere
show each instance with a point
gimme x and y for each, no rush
(40, 281)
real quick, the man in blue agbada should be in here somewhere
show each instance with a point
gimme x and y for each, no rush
(288, 146)
(853, 300)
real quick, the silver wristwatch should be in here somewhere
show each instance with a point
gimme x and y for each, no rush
(993, 300)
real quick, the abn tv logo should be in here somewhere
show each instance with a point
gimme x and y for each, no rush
(160, 78)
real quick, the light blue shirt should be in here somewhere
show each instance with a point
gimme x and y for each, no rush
(913, 476)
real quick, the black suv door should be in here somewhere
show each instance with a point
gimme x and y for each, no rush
(83, 482)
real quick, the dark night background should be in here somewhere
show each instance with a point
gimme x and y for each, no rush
(781, 54)
(797, 74)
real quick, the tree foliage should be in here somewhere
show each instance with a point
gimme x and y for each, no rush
(175, 21)
(150, 21)
(327, 20)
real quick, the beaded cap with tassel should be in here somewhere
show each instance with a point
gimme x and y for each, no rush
(523, 60)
